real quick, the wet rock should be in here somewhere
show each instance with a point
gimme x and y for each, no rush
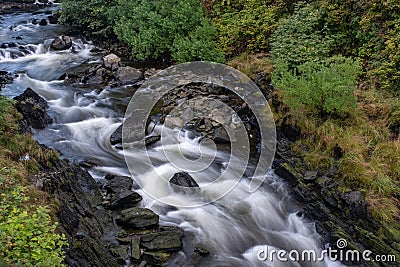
(33, 108)
(43, 22)
(5, 78)
(150, 140)
(111, 62)
(358, 206)
(120, 254)
(183, 179)
(156, 258)
(221, 136)
(138, 218)
(35, 21)
(167, 240)
(116, 136)
(128, 75)
(53, 19)
(72, 78)
(135, 248)
(124, 199)
(118, 184)
(62, 42)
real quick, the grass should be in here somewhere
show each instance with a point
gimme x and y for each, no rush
(28, 234)
(371, 151)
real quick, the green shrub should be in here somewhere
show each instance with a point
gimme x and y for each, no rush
(302, 37)
(27, 233)
(323, 88)
(245, 27)
(159, 27)
(95, 15)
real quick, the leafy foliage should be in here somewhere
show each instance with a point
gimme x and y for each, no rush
(323, 88)
(95, 15)
(307, 41)
(27, 233)
(155, 28)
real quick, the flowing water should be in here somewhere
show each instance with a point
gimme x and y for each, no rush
(234, 228)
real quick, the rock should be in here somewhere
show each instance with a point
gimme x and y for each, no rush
(52, 19)
(183, 179)
(358, 206)
(337, 152)
(33, 108)
(281, 171)
(167, 240)
(118, 184)
(111, 62)
(138, 218)
(156, 258)
(43, 22)
(310, 176)
(62, 42)
(135, 248)
(35, 21)
(125, 199)
(116, 136)
(221, 136)
(120, 254)
(149, 140)
(5, 78)
(128, 75)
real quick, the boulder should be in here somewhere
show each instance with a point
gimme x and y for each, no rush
(62, 42)
(167, 240)
(156, 258)
(221, 136)
(33, 108)
(116, 136)
(117, 184)
(125, 199)
(183, 179)
(111, 62)
(128, 75)
(149, 140)
(5, 78)
(138, 218)
(43, 22)
(52, 19)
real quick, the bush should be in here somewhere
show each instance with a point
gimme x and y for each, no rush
(302, 37)
(27, 233)
(159, 27)
(245, 27)
(324, 88)
(95, 15)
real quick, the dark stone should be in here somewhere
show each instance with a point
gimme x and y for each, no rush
(62, 42)
(167, 240)
(291, 132)
(150, 140)
(5, 78)
(358, 206)
(125, 199)
(62, 77)
(156, 258)
(33, 108)
(138, 218)
(221, 136)
(52, 19)
(35, 21)
(117, 184)
(43, 22)
(128, 75)
(281, 171)
(116, 136)
(183, 179)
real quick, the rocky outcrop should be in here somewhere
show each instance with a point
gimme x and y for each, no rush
(5, 78)
(61, 43)
(111, 73)
(33, 109)
(336, 215)
(138, 218)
